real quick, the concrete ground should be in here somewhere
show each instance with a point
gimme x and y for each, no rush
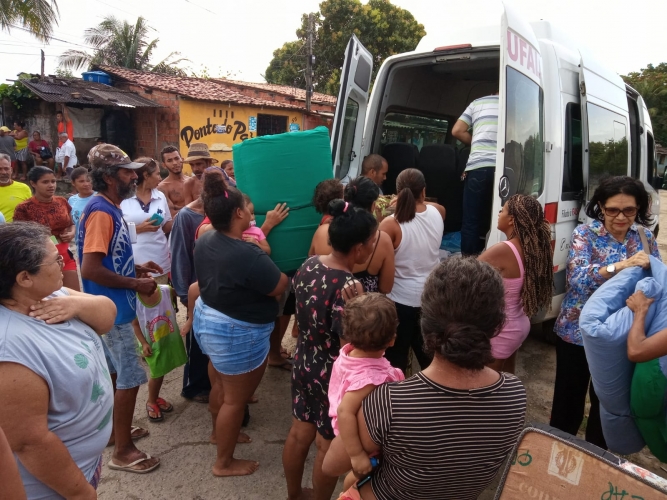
(181, 440)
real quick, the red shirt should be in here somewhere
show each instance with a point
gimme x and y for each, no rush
(70, 131)
(35, 146)
(55, 215)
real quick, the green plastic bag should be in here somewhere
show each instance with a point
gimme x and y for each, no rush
(285, 168)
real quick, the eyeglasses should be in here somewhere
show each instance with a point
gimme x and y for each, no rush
(614, 212)
(59, 260)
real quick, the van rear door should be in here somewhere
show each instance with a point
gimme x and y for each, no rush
(605, 125)
(520, 153)
(348, 126)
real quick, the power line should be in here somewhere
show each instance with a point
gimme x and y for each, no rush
(54, 38)
(203, 8)
(114, 7)
(27, 54)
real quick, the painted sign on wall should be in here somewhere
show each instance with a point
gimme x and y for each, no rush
(222, 125)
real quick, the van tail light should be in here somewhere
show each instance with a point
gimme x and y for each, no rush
(551, 212)
(453, 47)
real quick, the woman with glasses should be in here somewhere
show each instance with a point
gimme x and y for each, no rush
(614, 240)
(55, 387)
(149, 211)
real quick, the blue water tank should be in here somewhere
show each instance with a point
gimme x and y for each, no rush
(97, 76)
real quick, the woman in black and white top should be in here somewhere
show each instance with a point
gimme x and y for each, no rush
(415, 230)
(445, 431)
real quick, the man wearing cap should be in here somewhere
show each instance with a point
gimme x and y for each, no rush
(108, 268)
(199, 158)
(8, 146)
(11, 192)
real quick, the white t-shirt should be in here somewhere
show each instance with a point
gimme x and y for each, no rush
(67, 149)
(150, 245)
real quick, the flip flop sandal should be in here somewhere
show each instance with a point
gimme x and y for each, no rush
(138, 432)
(253, 400)
(129, 467)
(165, 406)
(285, 365)
(155, 409)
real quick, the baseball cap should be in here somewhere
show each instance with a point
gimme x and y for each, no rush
(5, 129)
(108, 155)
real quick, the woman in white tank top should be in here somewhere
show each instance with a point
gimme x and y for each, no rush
(416, 232)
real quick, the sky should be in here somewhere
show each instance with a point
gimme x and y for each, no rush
(237, 39)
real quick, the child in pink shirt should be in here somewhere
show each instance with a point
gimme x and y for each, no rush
(255, 234)
(369, 325)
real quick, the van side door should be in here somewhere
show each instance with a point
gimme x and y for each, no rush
(351, 107)
(605, 125)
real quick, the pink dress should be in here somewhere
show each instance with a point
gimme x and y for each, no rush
(254, 232)
(517, 327)
(352, 374)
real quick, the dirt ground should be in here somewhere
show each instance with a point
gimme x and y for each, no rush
(181, 440)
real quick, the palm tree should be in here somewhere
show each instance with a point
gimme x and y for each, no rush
(36, 16)
(118, 43)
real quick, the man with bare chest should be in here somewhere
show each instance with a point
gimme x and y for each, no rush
(173, 186)
(199, 159)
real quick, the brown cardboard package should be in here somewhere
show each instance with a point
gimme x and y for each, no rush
(547, 467)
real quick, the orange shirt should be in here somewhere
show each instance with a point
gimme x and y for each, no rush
(70, 130)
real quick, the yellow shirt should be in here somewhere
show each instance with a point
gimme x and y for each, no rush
(12, 195)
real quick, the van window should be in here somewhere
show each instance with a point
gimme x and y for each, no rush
(524, 135)
(607, 145)
(651, 164)
(573, 167)
(418, 130)
(347, 141)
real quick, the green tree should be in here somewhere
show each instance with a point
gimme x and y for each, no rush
(651, 83)
(36, 16)
(382, 27)
(119, 43)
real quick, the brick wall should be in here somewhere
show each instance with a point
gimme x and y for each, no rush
(144, 120)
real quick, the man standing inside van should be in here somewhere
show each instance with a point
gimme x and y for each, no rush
(478, 128)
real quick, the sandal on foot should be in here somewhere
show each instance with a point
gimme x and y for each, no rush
(165, 406)
(130, 467)
(155, 410)
(138, 432)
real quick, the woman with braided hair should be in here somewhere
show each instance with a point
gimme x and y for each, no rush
(525, 261)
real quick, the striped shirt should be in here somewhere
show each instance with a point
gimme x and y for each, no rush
(482, 117)
(441, 443)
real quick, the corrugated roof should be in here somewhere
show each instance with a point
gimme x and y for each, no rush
(82, 92)
(202, 89)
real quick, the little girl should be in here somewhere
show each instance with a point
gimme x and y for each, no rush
(157, 331)
(253, 234)
(369, 325)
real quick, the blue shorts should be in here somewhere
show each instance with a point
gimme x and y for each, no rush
(122, 357)
(234, 347)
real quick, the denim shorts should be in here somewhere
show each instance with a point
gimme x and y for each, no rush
(234, 347)
(123, 358)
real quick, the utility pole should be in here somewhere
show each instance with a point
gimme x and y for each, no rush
(42, 63)
(309, 62)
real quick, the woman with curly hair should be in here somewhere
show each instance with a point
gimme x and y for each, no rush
(525, 261)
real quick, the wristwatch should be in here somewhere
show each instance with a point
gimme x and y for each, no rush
(611, 269)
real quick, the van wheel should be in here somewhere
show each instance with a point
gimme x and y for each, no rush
(545, 331)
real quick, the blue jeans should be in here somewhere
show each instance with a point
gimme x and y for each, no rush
(477, 203)
(234, 347)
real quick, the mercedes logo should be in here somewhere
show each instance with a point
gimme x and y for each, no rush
(504, 187)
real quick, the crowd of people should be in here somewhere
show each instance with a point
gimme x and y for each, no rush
(372, 294)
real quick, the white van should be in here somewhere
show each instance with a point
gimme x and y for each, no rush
(564, 122)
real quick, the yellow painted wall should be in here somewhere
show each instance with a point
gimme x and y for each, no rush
(220, 123)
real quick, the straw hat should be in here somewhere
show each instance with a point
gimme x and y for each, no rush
(199, 151)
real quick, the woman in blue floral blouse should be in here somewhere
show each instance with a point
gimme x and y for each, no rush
(620, 208)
